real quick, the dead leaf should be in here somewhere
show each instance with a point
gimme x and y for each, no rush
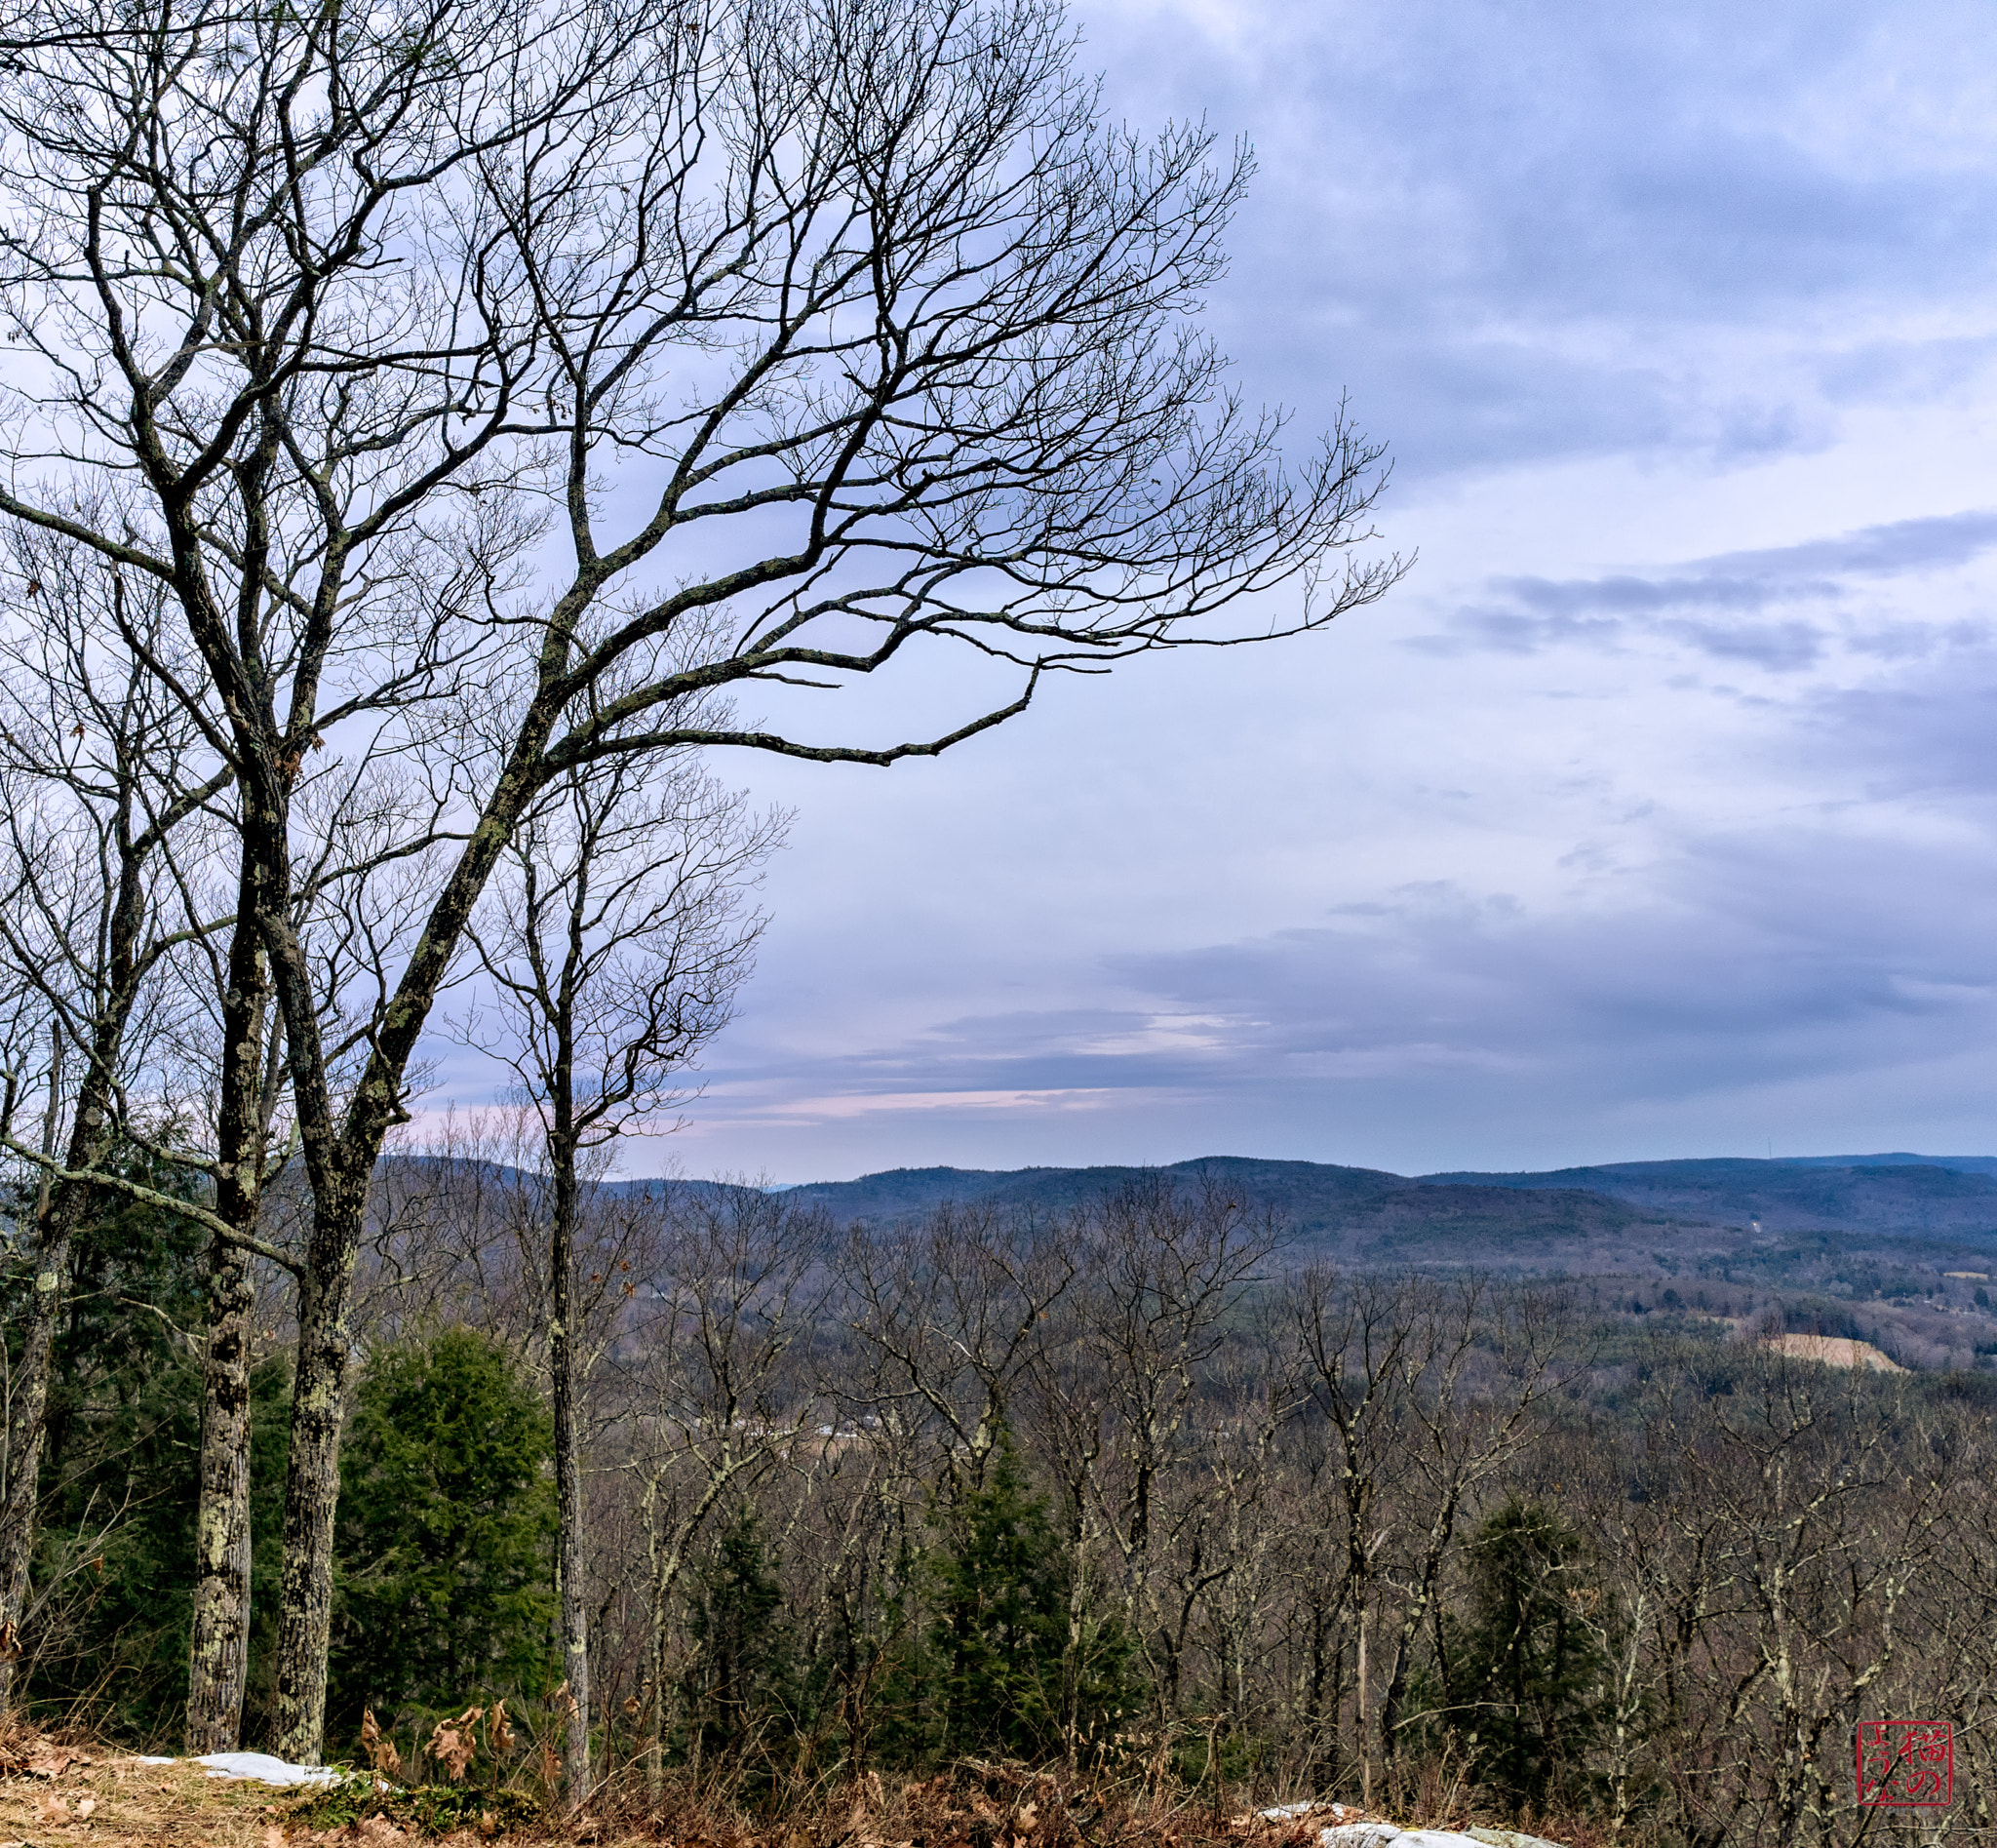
(453, 1745)
(51, 1808)
(381, 1752)
(51, 1763)
(86, 1805)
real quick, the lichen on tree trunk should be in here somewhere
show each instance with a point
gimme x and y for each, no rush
(26, 1426)
(312, 1502)
(218, 1649)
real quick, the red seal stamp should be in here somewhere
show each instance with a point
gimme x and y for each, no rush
(1906, 1763)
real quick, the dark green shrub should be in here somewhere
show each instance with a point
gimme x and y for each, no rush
(443, 1567)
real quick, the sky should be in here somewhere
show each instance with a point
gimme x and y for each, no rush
(1653, 814)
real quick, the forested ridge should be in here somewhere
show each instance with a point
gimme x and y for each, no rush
(1138, 1488)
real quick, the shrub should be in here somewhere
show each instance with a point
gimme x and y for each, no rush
(444, 1554)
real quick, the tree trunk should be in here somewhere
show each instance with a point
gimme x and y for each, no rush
(218, 1650)
(218, 1643)
(1363, 1707)
(569, 1562)
(27, 1405)
(24, 1436)
(655, 1663)
(312, 1480)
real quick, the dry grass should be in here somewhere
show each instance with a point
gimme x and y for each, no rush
(67, 1790)
(1834, 1351)
(113, 1798)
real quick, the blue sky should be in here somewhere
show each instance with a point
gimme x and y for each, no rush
(1653, 816)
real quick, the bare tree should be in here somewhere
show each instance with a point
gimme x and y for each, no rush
(97, 776)
(723, 1388)
(1429, 1389)
(614, 941)
(118, 804)
(1168, 1265)
(830, 331)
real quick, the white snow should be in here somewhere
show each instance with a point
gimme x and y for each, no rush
(266, 1769)
(1390, 1835)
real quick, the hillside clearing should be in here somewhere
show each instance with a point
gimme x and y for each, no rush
(1835, 1351)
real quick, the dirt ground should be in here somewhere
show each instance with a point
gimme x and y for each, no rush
(111, 1800)
(55, 1794)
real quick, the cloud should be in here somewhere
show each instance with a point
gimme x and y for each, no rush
(1743, 958)
(1517, 232)
(1438, 1019)
(1533, 613)
(1939, 543)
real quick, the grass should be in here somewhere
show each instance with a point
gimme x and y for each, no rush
(57, 1791)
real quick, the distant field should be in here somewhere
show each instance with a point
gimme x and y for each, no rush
(1834, 1351)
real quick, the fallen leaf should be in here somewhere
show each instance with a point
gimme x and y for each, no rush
(51, 1808)
(86, 1805)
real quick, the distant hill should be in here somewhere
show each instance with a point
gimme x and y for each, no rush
(1967, 1163)
(1582, 1219)
(1304, 1192)
(1891, 1194)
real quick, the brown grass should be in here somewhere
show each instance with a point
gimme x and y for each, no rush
(1835, 1351)
(66, 1790)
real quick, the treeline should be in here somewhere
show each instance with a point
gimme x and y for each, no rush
(1123, 1490)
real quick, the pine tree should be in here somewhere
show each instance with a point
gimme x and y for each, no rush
(739, 1674)
(998, 1617)
(1525, 1675)
(447, 1522)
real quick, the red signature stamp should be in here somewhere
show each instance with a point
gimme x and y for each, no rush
(1906, 1763)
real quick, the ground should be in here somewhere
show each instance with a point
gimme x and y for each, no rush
(57, 1796)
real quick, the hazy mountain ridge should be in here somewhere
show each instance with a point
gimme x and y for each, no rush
(1708, 1204)
(1860, 1194)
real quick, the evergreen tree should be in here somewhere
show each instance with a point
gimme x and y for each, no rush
(998, 1617)
(1525, 1675)
(447, 1522)
(740, 1673)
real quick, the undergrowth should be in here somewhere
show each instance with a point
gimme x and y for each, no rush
(427, 1809)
